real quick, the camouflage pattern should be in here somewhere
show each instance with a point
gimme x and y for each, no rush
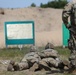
(12, 66)
(49, 46)
(48, 53)
(33, 48)
(69, 13)
(34, 60)
(66, 14)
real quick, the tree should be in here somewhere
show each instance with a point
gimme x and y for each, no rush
(43, 5)
(33, 5)
(55, 4)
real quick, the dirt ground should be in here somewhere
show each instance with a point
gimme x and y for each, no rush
(3, 71)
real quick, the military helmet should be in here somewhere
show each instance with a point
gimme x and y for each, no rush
(12, 62)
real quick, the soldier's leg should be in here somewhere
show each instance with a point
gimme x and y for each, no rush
(71, 42)
(73, 55)
(72, 59)
(44, 65)
(34, 67)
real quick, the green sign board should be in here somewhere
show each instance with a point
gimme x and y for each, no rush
(19, 32)
(65, 35)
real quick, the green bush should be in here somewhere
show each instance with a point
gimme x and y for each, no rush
(54, 4)
(33, 5)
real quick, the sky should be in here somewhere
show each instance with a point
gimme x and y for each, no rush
(20, 3)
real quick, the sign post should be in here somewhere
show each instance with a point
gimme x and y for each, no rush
(19, 32)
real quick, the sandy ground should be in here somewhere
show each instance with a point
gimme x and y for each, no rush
(48, 24)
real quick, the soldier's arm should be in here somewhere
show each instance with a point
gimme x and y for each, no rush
(66, 13)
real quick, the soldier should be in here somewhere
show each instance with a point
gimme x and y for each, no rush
(70, 12)
(49, 46)
(10, 66)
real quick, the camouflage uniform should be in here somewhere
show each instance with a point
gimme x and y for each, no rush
(69, 13)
